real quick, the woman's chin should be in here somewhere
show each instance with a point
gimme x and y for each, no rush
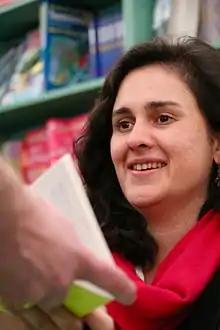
(143, 201)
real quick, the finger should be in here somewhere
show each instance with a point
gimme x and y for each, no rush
(99, 320)
(37, 319)
(53, 300)
(107, 276)
(64, 319)
(11, 322)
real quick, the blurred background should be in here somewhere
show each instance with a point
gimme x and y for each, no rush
(54, 55)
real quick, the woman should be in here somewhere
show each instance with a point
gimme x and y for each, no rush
(150, 159)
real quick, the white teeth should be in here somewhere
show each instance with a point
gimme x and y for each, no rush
(147, 166)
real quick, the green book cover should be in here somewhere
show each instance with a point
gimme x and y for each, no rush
(82, 298)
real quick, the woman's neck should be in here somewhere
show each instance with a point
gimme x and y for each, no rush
(169, 224)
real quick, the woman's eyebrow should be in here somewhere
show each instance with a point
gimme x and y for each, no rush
(121, 111)
(160, 104)
(148, 106)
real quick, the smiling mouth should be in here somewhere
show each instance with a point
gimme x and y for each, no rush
(147, 166)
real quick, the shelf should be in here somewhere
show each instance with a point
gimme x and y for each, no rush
(63, 103)
(17, 18)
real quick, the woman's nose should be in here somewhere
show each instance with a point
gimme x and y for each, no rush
(140, 136)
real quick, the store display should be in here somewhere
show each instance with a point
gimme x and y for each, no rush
(60, 52)
(26, 79)
(40, 148)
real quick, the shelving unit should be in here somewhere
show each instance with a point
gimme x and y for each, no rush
(18, 18)
(63, 103)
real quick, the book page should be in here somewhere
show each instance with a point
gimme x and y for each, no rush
(61, 186)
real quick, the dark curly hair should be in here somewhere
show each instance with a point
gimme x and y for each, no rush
(124, 227)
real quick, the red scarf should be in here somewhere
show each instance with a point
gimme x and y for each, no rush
(179, 281)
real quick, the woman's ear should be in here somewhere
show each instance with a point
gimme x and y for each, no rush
(216, 145)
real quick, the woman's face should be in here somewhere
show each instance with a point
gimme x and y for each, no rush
(160, 147)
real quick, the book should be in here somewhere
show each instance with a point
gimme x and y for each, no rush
(61, 134)
(94, 60)
(62, 187)
(184, 18)
(161, 16)
(35, 157)
(65, 44)
(110, 33)
(209, 28)
(26, 78)
(11, 151)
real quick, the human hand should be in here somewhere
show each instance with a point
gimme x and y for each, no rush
(37, 319)
(57, 318)
(40, 253)
(11, 322)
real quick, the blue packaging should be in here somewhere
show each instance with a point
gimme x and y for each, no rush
(110, 39)
(65, 45)
(94, 60)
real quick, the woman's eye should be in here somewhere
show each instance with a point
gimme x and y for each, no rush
(124, 125)
(164, 119)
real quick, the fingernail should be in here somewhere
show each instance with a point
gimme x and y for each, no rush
(129, 295)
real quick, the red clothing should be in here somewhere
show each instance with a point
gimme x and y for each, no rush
(179, 281)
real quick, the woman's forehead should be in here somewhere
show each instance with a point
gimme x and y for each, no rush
(153, 86)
